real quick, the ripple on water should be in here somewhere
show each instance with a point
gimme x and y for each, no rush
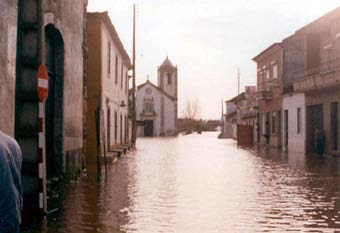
(197, 183)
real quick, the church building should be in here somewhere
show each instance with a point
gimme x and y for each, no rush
(156, 106)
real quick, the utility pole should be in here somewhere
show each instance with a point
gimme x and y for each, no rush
(222, 118)
(238, 81)
(134, 77)
(238, 95)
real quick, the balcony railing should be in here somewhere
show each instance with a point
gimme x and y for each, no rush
(264, 95)
(318, 77)
(325, 67)
(268, 85)
(148, 113)
(228, 114)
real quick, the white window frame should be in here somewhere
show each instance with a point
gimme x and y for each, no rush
(275, 71)
(267, 73)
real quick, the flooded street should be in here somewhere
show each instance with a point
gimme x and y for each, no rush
(197, 183)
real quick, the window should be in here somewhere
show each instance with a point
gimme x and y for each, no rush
(108, 58)
(286, 127)
(298, 121)
(169, 78)
(126, 82)
(116, 70)
(267, 74)
(121, 129)
(334, 125)
(275, 72)
(148, 105)
(125, 129)
(116, 126)
(121, 77)
(273, 122)
(328, 54)
(263, 124)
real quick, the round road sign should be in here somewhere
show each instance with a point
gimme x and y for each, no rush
(42, 83)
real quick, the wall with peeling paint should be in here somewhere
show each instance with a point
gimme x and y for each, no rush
(8, 40)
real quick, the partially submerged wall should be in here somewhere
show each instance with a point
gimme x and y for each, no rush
(8, 41)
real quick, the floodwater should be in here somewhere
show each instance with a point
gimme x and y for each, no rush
(197, 183)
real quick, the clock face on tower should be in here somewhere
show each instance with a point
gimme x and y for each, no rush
(148, 91)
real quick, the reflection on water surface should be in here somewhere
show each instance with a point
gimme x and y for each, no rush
(197, 183)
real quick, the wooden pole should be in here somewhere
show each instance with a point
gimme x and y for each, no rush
(222, 118)
(134, 77)
(238, 81)
(104, 145)
(97, 119)
(238, 106)
(42, 161)
(238, 96)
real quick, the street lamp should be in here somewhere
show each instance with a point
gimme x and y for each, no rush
(122, 104)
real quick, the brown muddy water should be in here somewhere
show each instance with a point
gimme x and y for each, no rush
(197, 183)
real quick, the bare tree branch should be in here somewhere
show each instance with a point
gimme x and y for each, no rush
(192, 109)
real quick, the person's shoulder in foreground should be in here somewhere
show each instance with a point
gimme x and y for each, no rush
(10, 184)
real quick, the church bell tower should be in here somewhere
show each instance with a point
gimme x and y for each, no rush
(167, 78)
(167, 82)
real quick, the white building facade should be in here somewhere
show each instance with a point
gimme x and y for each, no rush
(293, 122)
(107, 86)
(115, 86)
(156, 106)
(230, 120)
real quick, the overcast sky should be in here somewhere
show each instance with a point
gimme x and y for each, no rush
(207, 39)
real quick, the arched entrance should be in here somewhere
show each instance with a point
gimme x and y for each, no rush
(54, 60)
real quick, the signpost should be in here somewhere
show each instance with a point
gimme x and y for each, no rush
(42, 83)
(42, 89)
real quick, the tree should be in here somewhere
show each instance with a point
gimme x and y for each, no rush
(192, 109)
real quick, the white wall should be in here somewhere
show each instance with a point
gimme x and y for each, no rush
(169, 88)
(169, 110)
(234, 127)
(230, 107)
(112, 91)
(296, 142)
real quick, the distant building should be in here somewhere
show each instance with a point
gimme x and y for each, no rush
(249, 112)
(299, 87)
(156, 106)
(318, 80)
(240, 110)
(269, 94)
(107, 86)
(230, 117)
(293, 103)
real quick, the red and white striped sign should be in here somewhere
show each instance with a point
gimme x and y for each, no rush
(42, 83)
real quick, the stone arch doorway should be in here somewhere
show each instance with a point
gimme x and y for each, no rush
(54, 60)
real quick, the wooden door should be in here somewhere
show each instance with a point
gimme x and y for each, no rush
(108, 128)
(314, 122)
(121, 128)
(54, 59)
(148, 128)
(334, 126)
(286, 132)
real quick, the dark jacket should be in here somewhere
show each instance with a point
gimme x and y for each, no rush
(10, 185)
